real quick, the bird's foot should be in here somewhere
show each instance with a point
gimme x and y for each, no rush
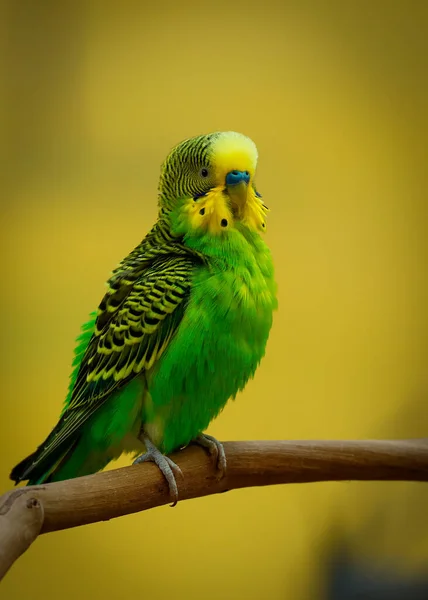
(165, 464)
(215, 449)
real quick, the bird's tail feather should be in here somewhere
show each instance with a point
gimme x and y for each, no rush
(39, 467)
(22, 467)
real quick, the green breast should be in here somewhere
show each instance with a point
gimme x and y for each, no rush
(221, 339)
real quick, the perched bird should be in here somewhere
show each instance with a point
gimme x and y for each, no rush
(182, 327)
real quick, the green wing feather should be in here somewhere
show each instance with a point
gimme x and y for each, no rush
(136, 320)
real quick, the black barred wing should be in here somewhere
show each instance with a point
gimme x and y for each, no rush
(133, 332)
(137, 319)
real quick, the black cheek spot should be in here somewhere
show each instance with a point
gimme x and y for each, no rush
(263, 225)
(223, 222)
(202, 211)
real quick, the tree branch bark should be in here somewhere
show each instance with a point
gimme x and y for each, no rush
(21, 519)
(26, 512)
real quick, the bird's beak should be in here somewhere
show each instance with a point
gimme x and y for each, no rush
(237, 188)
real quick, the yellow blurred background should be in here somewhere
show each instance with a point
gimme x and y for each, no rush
(335, 96)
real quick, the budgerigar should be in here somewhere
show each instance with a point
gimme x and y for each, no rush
(182, 327)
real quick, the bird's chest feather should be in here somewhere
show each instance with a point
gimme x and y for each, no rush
(220, 341)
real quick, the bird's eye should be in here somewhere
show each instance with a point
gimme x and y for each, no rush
(204, 172)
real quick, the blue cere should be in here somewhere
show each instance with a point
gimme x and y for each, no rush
(235, 177)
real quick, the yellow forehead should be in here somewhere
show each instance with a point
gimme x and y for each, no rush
(233, 151)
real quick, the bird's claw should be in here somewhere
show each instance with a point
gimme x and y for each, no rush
(216, 450)
(166, 466)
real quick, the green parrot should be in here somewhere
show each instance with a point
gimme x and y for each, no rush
(182, 327)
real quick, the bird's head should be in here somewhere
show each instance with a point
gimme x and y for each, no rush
(207, 184)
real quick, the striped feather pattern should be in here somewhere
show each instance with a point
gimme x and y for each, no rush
(136, 320)
(180, 175)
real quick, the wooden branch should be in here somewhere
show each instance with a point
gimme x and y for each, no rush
(27, 511)
(21, 519)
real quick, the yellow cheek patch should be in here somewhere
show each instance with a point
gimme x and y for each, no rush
(253, 212)
(210, 212)
(214, 213)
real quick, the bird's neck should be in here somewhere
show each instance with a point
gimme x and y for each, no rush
(229, 248)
